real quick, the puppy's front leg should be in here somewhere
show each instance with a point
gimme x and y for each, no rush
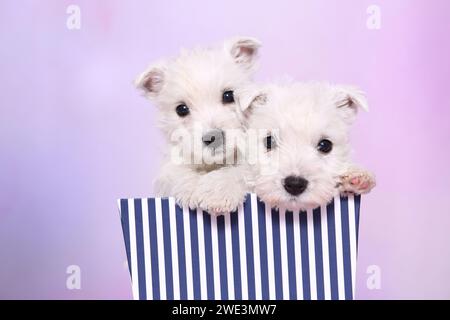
(178, 181)
(221, 191)
(356, 181)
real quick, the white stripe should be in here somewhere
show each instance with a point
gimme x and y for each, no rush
(174, 245)
(284, 259)
(147, 253)
(325, 253)
(352, 230)
(201, 255)
(339, 252)
(215, 257)
(229, 250)
(133, 250)
(270, 260)
(187, 250)
(312, 255)
(242, 252)
(256, 251)
(298, 256)
(161, 258)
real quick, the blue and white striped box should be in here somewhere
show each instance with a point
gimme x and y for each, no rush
(252, 254)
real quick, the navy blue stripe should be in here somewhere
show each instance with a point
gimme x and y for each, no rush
(263, 250)
(208, 256)
(346, 249)
(277, 254)
(318, 253)
(357, 208)
(154, 249)
(222, 257)
(249, 248)
(167, 247)
(332, 251)
(291, 255)
(305, 257)
(234, 222)
(140, 249)
(181, 252)
(194, 254)
(125, 229)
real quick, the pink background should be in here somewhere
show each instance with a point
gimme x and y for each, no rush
(75, 135)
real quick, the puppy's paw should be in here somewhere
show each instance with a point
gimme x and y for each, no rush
(220, 204)
(356, 181)
(219, 191)
(218, 199)
(215, 202)
(186, 200)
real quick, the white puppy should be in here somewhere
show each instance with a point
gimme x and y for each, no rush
(305, 153)
(195, 95)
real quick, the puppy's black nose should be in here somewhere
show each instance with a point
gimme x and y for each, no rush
(213, 139)
(208, 140)
(295, 185)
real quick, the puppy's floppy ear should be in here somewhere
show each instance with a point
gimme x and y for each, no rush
(348, 100)
(151, 81)
(243, 50)
(251, 97)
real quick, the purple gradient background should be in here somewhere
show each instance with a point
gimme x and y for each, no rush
(75, 135)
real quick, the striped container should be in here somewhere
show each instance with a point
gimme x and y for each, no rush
(256, 253)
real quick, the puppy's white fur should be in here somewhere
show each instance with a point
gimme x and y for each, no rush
(298, 116)
(198, 78)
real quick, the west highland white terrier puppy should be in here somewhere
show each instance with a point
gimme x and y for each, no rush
(304, 159)
(195, 94)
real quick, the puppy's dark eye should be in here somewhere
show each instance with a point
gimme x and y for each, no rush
(228, 97)
(325, 146)
(182, 110)
(269, 143)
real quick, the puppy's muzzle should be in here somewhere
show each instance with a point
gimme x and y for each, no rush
(213, 139)
(295, 185)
